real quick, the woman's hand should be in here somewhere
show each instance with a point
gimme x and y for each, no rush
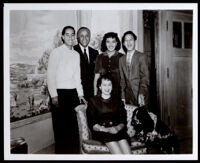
(116, 129)
(120, 126)
(98, 127)
(113, 130)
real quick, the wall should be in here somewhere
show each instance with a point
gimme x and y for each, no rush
(37, 133)
(119, 21)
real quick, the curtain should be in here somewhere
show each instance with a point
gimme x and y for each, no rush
(119, 21)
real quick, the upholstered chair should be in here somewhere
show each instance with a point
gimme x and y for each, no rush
(90, 146)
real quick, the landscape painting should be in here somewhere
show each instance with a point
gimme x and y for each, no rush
(33, 35)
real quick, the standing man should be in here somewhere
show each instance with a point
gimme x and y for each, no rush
(134, 73)
(88, 57)
(64, 85)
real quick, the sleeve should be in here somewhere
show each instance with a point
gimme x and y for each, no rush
(144, 76)
(122, 113)
(122, 79)
(91, 115)
(97, 65)
(77, 74)
(96, 53)
(51, 73)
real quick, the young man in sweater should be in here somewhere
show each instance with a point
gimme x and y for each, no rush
(64, 85)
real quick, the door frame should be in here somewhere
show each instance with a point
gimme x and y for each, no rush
(163, 65)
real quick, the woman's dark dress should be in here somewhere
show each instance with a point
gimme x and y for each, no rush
(106, 112)
(105, 64)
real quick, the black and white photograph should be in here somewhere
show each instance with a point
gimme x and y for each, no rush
(100, 81)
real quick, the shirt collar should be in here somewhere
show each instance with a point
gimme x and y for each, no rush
(82, 49)
(106, 54)
(65, 46)
(131, 53)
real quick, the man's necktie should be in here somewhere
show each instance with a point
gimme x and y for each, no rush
(85, 55)
(128, 63)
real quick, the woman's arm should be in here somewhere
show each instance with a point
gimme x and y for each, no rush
(96, 77)
(98, 127)
(112, 130)
(97, 70)
(119, 126)
(91, 114)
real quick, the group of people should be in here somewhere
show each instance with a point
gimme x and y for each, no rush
(105, 82)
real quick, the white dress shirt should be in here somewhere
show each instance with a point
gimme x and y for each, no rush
(129, 57)
(64, 71)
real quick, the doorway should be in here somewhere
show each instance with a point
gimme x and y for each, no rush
(173, 60)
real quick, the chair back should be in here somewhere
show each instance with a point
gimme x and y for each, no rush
(84, 131)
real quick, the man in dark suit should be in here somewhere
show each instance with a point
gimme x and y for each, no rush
(134, 73)
(87, 61)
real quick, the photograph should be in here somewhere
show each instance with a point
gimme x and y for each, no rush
(100, 81)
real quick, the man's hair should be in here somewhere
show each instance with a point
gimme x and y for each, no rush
(82, 28)
(110, 35)
(123, 39)
(65, 28)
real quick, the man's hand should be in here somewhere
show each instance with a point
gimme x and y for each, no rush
(55, 101)
(82, 100)
(141, 100)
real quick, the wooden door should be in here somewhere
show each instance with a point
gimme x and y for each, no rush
(176, 71)
(180, 71)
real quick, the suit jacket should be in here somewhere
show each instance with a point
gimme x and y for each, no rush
(137, 81)
(87, 71)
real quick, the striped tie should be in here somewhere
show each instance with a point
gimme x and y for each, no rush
(128, 63)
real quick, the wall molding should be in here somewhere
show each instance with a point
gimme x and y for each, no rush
(31, 120)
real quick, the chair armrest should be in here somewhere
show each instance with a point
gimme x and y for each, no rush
(94, 147)
(84, 131)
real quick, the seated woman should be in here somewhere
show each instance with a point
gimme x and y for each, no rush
(107, 118)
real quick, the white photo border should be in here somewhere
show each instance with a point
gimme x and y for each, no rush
(98, 6)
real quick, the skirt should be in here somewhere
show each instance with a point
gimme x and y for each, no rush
(105, 137)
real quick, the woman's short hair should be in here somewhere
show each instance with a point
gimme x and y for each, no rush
(110, 35)
(106, 76)
(123, 39)
(64, 29)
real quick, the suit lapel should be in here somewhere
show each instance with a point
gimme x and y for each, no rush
(81, 53)
(90, 55)
(133, 60)
(79, 50)
(124, 65)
